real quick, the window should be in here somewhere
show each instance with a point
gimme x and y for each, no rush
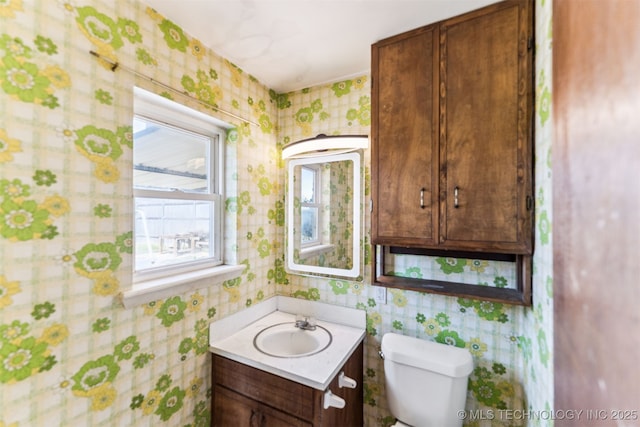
(178, 170)
(310, 205)
(177, 189)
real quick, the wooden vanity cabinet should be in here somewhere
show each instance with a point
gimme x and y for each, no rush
(452, 148)
(247, 396)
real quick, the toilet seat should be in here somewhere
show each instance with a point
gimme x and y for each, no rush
(400, 424)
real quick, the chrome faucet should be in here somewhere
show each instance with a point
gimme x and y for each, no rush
(305, 323)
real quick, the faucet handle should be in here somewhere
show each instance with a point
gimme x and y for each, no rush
(307, 323)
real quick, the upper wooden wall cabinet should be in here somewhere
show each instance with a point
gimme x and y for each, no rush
(452, 133)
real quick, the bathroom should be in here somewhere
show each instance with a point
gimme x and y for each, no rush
(149, 364)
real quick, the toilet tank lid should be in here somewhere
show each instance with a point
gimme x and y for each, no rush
(444, 359)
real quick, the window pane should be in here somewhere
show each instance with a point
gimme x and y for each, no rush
(172, 231)
(309, 226)
(168, 158)
(308, 185)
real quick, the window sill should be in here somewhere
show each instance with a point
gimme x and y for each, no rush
(161, 288)
(315, 250)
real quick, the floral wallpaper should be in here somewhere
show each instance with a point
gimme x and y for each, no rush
(70, 354)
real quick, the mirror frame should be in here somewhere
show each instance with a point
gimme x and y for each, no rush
(294, 268)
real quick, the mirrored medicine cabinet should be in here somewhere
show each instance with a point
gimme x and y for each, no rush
(323, 208)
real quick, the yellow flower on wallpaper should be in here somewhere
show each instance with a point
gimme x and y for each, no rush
(194, 387)
(306, 128)
(399, 297)
(55, 334)
(234, 294)
(151, 402)
(8, 146)
(356, 288)
(476, 347)
(102, 397)
(195, 302)
(197, 49)
(477, 265)
(151, 307)
(56, 205)
(153, 14)
(236, 73)
(106, 171)
(431, 327)
(105, 284)
(505, 387)
(375, 318)
(7, 289)
(8, 9)
(359, 82)
(57, 76)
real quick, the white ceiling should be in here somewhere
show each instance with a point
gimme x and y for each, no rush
(293, 44)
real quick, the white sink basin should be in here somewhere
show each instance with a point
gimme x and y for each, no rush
(287, 340)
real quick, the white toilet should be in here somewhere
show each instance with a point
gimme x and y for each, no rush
(426, 381)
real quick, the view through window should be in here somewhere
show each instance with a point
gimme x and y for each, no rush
(177, 193)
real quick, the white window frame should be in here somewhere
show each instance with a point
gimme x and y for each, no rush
(316, 204)
(212, 195)
(162, 282)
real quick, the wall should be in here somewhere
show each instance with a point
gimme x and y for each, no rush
(69, 353)
(511, 345)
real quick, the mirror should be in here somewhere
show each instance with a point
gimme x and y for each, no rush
(324, 196)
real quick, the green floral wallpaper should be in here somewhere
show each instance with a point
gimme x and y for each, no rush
(70, 354)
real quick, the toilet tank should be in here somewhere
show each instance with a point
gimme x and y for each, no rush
(426, 382)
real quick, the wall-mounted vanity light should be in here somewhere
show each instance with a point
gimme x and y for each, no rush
(322, 145)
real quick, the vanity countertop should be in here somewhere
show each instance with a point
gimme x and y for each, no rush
(232, 337)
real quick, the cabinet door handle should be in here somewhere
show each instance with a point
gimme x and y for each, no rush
(456, 203)
(422, 190)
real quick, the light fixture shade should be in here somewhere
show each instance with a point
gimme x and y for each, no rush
(323, 145)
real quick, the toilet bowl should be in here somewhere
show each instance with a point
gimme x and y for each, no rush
(426, 382)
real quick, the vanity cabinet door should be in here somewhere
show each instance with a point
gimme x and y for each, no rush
(404, 163)
(286, 396)
(233, 409)
(351, 415)
(244, 396)
(485, 129)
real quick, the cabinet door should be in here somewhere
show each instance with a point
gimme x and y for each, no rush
(233, 409)
(404, 157)
(352, 414)
(485, 129)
